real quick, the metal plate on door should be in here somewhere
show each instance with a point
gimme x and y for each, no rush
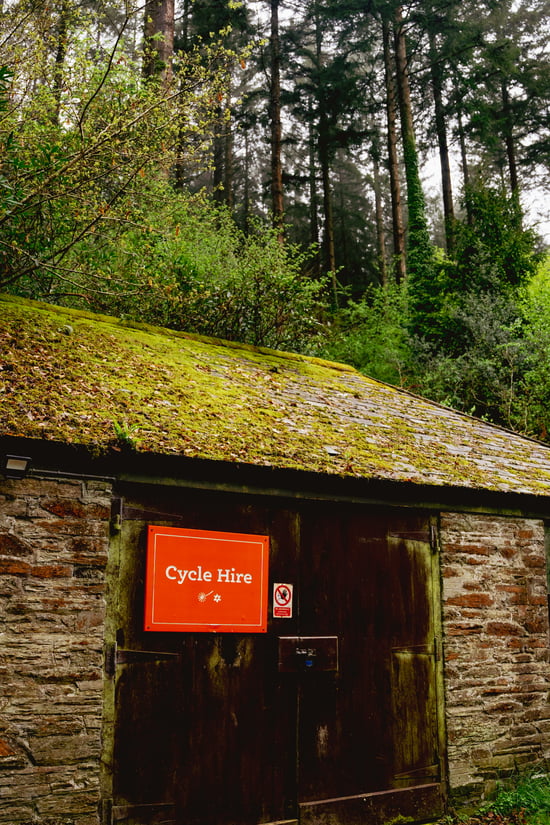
(298, 654)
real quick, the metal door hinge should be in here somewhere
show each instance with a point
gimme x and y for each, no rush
(110, 660)
(116, 656)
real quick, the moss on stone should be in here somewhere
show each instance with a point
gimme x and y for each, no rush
(76, 377)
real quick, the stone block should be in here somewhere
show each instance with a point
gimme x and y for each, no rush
(12, 545)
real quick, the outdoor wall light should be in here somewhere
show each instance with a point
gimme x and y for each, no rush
(16, 466)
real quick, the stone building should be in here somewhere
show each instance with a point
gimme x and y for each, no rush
(407, 661)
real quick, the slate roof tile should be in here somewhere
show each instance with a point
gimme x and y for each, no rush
(81, 378)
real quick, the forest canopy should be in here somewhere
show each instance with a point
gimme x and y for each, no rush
(256, 170)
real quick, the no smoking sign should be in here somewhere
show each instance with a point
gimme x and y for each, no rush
(282, 601)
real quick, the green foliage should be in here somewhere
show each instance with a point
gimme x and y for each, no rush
(493, 249)
(481, 372)
(190, 268)
(125, 435)
(424, 291)
(535, 306)
(372, 335)
(474, 348)
(528, 794)
(90, 216)
(82, 139)
(6, 76)
(523, 799)
(485, 352)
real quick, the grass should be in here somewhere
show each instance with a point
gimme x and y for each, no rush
(521, 800)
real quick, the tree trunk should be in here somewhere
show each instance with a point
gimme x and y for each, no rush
(402, 75)
(246, 193)
(343, 257)
(324, 160)
(509, 140)
(228, 166)
(379, 212)
(417, 225)
(330, 249)
(420, 259)
(218, 159)
(464, 162)
(185, 21)
(441, 129)
(158, 35)
(276, 129)
(313, 203)
(393, 160)
(313, 200)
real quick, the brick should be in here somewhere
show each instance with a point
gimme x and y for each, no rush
(462, 629)
(12, 545)
(471, 600)
(88, 551)
(70, 508)
(11, 567)
(503, 629)
(534, 560)
(64, 750)
(51, 571)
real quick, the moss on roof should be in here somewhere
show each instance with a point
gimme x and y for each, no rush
(87, 379)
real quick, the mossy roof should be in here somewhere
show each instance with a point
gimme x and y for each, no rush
(79, 378)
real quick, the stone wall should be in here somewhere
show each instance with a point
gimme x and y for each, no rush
(53, 553)
(496, 647)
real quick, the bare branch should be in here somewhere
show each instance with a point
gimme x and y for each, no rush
(103, 79)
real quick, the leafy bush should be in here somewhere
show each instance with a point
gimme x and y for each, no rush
(79, 155)
(494, 250)
(535, 306)
(186, 265)
(372, 335)
(480, 371)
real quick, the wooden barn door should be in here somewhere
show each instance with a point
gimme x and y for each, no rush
(204, 730)
(370, 744)
(230, 729)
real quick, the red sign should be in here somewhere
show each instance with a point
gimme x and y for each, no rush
(201, 580)
(282, 601)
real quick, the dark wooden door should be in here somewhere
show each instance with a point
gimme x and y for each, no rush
(210, 730)
(369, 734)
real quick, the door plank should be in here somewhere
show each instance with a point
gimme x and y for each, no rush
(143, 815)
(419, 804)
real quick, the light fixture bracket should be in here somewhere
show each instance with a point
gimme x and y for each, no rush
(16, 466)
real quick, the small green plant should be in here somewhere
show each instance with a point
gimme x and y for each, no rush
(400, 820)
(524, 799)
(529, 793)
(125, 435)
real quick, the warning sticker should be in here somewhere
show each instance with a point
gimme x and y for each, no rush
(282, 601)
